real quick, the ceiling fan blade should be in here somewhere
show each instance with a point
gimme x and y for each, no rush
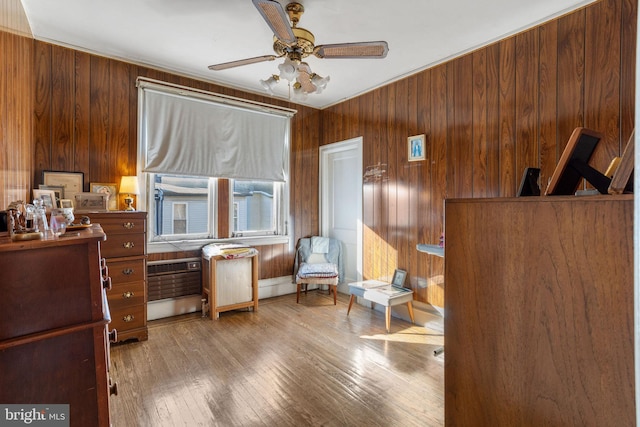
(352, 50)
(225, 65)
(277, 19)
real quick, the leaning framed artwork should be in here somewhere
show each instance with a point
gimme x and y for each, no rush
(398, 278)
(48, 198)
(416, 147)
(58, 190)
(72, 182)
(107, 188)
(96, 202)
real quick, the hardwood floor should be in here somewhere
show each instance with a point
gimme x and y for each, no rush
(287, 364)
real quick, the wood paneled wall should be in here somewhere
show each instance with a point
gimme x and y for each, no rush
(86, 120)
(487, 116)
(16, 112)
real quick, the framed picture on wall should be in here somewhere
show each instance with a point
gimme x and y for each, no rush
(71, 182)
(416, 147)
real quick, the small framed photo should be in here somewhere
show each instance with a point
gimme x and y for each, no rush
(58, 191)
(66, 203)
(94, 202)
(416, 147)
(48, 198)
(71, 182)
(107, 188)
(398, 278)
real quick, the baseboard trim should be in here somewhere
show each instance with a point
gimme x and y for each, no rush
(277, 286)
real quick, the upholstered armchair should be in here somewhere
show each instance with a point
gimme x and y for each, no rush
(318, 261)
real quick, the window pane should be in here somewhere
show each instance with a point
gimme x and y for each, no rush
(181, 205)
(179, 218)
(253, 207)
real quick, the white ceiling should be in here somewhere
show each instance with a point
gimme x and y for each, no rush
(186, 36)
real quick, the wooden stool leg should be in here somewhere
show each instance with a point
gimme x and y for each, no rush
(350, 303)
(335, 294)
(298, 293)
(410, 307)
(388, 317)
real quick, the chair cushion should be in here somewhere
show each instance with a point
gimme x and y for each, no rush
(325, 269)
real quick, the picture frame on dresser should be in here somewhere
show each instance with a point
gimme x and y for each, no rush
(96, 202)
(71, 182)
(110, 188)
(48, 198)
(58, 190)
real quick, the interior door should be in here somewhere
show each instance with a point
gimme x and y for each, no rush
(341, 202)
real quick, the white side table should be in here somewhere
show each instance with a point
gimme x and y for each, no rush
(382, 293)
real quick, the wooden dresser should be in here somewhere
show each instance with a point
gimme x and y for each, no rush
(126, 253)
(539, 311)
(54, 346)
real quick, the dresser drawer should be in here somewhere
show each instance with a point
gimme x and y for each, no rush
(126, 294)
(112, 225)
(128, 270)
(126, 318)
(123, 245)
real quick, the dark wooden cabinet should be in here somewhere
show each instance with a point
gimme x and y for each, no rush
(539, 311)
(53, 325)
(126, 253)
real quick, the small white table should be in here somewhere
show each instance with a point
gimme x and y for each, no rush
(381, 293)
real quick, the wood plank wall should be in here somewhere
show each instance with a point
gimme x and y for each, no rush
(86, 120)
(487, 115)
(16, 112)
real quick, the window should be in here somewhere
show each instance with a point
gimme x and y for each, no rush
(190, 138)
(255, 207)
(180, 206)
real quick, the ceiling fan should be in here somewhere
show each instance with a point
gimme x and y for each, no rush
(296, 43)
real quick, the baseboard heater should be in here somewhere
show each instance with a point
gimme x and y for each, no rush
(174, 278)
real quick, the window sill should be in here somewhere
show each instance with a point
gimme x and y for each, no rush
(190, 245)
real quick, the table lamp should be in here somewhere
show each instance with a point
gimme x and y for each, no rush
(129, 186)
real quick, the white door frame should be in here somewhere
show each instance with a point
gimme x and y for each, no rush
(325, 151)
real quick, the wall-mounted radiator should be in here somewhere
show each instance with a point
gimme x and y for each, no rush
(174, 278)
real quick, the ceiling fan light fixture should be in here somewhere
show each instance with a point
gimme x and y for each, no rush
(298, 94)
(270, 83)
(320, 82)
(294, 43)
(288, 70)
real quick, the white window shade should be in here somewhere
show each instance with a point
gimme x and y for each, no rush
(191, 133)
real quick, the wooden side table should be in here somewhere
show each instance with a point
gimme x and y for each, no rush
(382, 293)
(230, 283)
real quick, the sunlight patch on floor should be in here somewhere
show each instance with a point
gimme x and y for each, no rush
(413, 334)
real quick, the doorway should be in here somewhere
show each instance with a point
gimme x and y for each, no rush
(341, 202)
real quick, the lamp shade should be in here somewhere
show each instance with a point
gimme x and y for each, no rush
(129, 185)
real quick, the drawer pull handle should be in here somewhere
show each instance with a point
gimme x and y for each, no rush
(113, 335)
(128, 245)
(128, 318)
(129, 225)
(127, 271)
(106, 283)
(127, 294)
